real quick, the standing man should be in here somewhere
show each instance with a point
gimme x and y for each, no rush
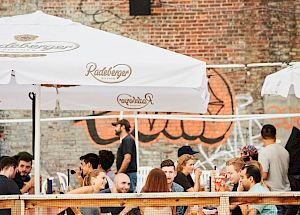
(22, 178)
(126, 155)
(274, 159)
(168, 167)
(8, 168)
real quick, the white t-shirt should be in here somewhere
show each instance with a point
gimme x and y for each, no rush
(110, 175)
(275, 159)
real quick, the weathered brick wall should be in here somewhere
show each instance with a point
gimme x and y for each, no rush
(217, 31)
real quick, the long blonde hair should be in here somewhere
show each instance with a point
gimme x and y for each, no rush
(182, 160)
(87, 181)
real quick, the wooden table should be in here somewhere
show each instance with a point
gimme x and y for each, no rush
(48, 211)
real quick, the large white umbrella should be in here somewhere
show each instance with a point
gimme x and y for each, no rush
(43, 49)
(283, 82)
(110, 72)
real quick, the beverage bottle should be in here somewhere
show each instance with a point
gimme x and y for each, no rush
(49, 185)
(213, 174)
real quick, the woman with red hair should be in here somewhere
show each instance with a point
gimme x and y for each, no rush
(157, 182)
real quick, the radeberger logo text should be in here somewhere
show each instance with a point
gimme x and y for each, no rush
(135, 102)
(25, 44)
(109, 74)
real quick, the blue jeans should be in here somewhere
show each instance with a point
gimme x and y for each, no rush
(133, 181)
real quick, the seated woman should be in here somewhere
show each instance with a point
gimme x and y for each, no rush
(185, 167)
(94, 182)
(157, 182)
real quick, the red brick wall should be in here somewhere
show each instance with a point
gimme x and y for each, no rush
(217, 31)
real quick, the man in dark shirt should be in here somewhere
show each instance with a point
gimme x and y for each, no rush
(22, 178)
(8, 167)
(126, 155)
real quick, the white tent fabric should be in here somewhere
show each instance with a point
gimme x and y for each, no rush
(114, 72)
(283, 82)
(132, 99)
(43, 49)
(16, 96)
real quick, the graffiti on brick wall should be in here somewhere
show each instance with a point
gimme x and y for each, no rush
(284, 123)
(242, 134)
(106, 15)
(221, 102)
(248, 132)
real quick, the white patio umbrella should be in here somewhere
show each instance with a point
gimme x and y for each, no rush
(283, 82)
(16, 96)
(110, 72)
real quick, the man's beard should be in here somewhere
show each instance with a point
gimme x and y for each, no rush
(117, 133)
(23, 174)
(24, 177)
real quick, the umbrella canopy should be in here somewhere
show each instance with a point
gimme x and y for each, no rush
(16, 96)
(283, 82)
(110, 72)
(44, 49)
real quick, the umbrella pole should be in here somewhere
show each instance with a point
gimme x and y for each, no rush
(32, 97)
(136, 137)
(37, 140)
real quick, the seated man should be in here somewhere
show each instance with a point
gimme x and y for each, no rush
(233, 168)
(8, 167)
(88, 163)
(22, 178)
(121, 185)
(250, 180)
(168, 167)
